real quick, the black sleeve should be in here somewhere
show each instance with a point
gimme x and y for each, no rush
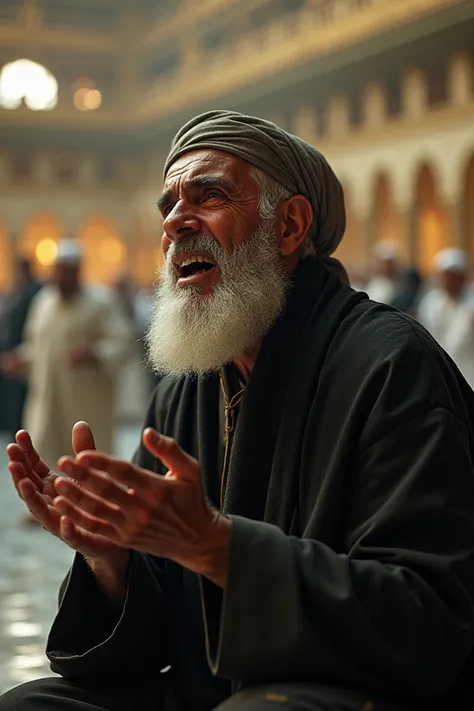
(91, 638)
(394, 611)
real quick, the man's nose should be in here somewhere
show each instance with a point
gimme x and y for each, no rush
(181, 221)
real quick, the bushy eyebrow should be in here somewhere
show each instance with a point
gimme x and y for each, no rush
(203, 181)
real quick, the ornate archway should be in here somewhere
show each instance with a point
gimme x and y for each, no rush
(105, 253)
(38, 241)
(430, 220)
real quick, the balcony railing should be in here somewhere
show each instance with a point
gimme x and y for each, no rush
(290, 41)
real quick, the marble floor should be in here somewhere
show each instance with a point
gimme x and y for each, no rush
(32, 566)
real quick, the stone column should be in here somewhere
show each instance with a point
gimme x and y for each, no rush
(460, 79)
(305, 123)
(408, 219)
(374, 106)
(415, 94)
(42, 169)
(456, 224)
(4, 169)
(338, 116)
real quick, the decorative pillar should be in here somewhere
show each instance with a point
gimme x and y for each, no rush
(338, 116)
(42, 169)
(460, 79)
(5, 176)
(374, 106)
(415, 94)
(455, 219)
(305, 123)
(408, 219)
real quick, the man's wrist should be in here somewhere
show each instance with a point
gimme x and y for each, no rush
(111, 575)
(214, 563)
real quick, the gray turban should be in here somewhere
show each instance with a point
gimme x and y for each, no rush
(296, 165)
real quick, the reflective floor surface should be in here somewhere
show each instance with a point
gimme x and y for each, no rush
(32, 566)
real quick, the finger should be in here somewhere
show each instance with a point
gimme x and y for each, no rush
(82, 437)
(74, 536)
(26, 445)
(69, 533)
(170, 453)
(97, 482)
(46, 516)
(16, 455)
(18, 473)
(89, 523)
(118, 470)
(69, 492)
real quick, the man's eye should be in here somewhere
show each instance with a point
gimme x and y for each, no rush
(167, 209)
(214, 194)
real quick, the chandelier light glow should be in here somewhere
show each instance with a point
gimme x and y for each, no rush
(24, 80)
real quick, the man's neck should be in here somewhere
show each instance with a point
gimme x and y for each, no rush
(246, 362)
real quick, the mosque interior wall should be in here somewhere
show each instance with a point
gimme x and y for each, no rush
(399, 131)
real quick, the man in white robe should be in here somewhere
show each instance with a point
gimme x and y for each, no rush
(448, 310)
(383, 285)
(77, 340)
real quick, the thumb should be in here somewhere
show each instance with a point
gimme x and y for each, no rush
(167, 450)
(82, 437)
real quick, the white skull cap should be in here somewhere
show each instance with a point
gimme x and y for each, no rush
(451, 259)
(69, 251)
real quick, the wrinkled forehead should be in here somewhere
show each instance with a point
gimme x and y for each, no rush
(208, 162)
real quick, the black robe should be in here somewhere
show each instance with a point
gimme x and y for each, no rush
(351, 491)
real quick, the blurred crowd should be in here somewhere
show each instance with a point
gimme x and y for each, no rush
(442, 301)
(71, 351)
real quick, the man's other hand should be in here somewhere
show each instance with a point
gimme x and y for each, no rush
(11, 365)
(168, 517)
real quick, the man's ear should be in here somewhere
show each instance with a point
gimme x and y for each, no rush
(296, 217)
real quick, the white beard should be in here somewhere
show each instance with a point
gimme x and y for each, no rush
(195, 335)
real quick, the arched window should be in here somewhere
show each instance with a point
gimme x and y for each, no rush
(24, 80)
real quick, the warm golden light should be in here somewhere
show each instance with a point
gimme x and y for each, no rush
(46, 252)
(24, 80)
(93, 99)
(111, 251)
(86, 99)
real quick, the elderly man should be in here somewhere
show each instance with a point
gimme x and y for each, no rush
(448, 310)
(298, 526)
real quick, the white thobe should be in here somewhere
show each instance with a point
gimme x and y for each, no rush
(60, 394)
(381, 289)
(451, 323)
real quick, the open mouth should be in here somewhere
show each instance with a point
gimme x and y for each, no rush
(193, 265)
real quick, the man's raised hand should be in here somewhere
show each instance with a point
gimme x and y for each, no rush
(35, 484)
